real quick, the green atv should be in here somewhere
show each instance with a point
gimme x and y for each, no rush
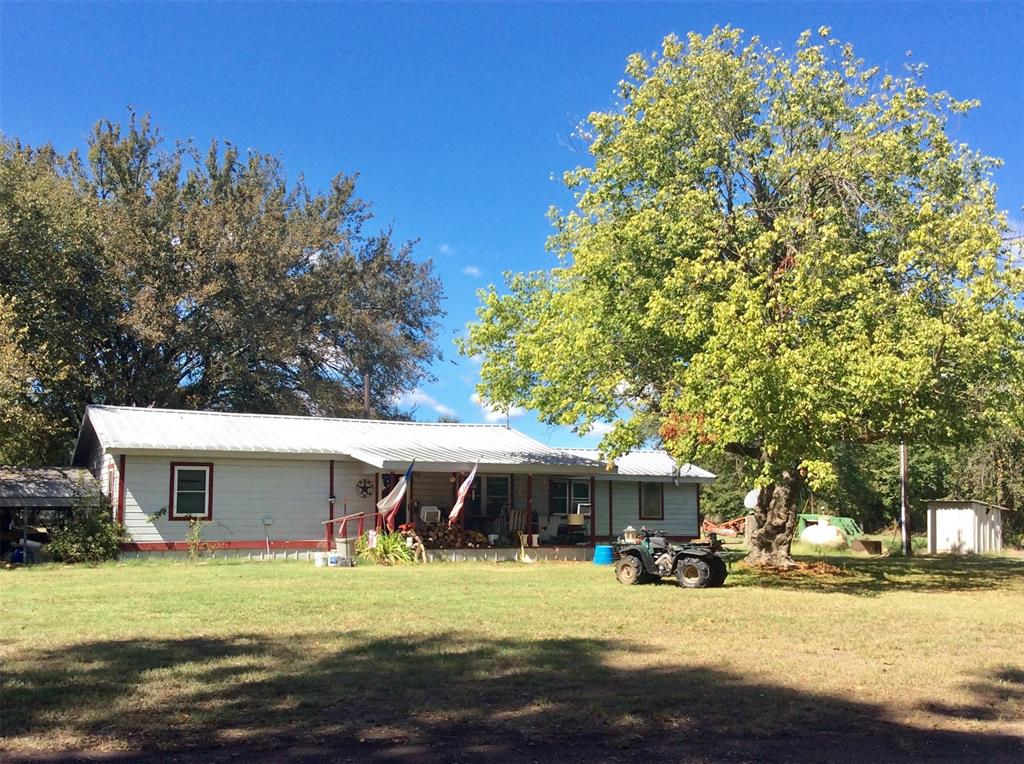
(651, 557)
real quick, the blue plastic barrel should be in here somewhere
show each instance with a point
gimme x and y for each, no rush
(603, 554)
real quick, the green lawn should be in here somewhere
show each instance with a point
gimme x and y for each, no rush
(919, 657)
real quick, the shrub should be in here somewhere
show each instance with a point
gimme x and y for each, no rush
(390, 549)
(88, 535)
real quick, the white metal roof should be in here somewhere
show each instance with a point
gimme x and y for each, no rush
(387, 445)
(649, 463)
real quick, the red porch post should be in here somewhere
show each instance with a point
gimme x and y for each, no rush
(120, 488)
(408, 499)
(611, 519)
(330, 491)
(593, 510)
(528, 520)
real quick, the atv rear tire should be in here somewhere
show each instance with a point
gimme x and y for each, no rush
(719, 571)
(693, 573)
(629, 571)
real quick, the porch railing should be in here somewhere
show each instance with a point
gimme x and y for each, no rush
(359, 518)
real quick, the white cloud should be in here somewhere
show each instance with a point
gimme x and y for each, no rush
(472, 270)
(599, 430)
(492, 414)
(417, 397)
(445, 249)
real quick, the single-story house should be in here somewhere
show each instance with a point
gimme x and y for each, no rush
(263, 481)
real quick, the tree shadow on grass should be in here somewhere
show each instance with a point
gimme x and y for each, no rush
(870, 577)
(342, 697)
(999, 697)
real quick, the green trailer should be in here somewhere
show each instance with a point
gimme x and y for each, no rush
(847, 525)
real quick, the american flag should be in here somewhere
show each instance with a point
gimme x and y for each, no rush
(453, 517)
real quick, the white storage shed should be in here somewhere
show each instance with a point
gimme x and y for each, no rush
(964, 527)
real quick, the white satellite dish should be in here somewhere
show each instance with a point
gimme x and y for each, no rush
(750, 500)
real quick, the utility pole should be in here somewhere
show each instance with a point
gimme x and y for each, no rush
(366, 394)
(904, 497)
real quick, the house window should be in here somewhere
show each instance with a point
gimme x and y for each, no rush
(191, 491)
(558, 496)
(567, 497)
(652, 501)
(580, 502)
(496, 494)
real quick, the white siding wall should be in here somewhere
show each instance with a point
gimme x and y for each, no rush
(680, 508)
(969, 529)
(954, 530)
(626, 506)
(432, 489)
(347, 476)
(600, 501)
(102, 474)
(292, 493)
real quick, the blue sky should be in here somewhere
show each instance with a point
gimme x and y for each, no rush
(458, 117)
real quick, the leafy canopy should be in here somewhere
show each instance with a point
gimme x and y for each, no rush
(147, 274)
(769, 254)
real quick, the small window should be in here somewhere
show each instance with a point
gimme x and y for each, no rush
(580, 503)
(558, 497)
(496, 494)
(652, 505)
(191, 492)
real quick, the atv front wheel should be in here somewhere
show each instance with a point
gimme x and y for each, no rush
(628, 570)
(693, 573)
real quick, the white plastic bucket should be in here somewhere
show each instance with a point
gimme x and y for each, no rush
(319, 559)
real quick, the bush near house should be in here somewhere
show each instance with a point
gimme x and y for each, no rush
(90, 534)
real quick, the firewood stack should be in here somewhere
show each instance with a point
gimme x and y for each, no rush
(440, 536)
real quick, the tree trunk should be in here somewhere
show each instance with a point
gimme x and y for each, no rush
(776, 522)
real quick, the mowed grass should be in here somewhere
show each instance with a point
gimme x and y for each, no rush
(921, 656)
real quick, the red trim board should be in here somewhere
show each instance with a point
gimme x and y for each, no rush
(209, 492)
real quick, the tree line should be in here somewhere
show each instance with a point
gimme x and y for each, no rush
(867, 487)
(154, 274)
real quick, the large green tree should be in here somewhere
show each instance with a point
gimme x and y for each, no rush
(770, 254)
(151, 274)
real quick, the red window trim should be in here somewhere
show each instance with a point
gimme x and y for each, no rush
(209, 492)
(640, 501)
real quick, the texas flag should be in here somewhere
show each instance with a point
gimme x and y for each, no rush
(453, 517)
(388, 506)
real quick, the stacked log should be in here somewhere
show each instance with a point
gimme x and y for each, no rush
(440, 536)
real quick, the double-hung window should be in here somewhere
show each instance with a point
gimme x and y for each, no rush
(569, 497)
(497, 489)
(191, 491)
(652, 501)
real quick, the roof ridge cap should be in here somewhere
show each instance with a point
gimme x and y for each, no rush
(300, 417)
